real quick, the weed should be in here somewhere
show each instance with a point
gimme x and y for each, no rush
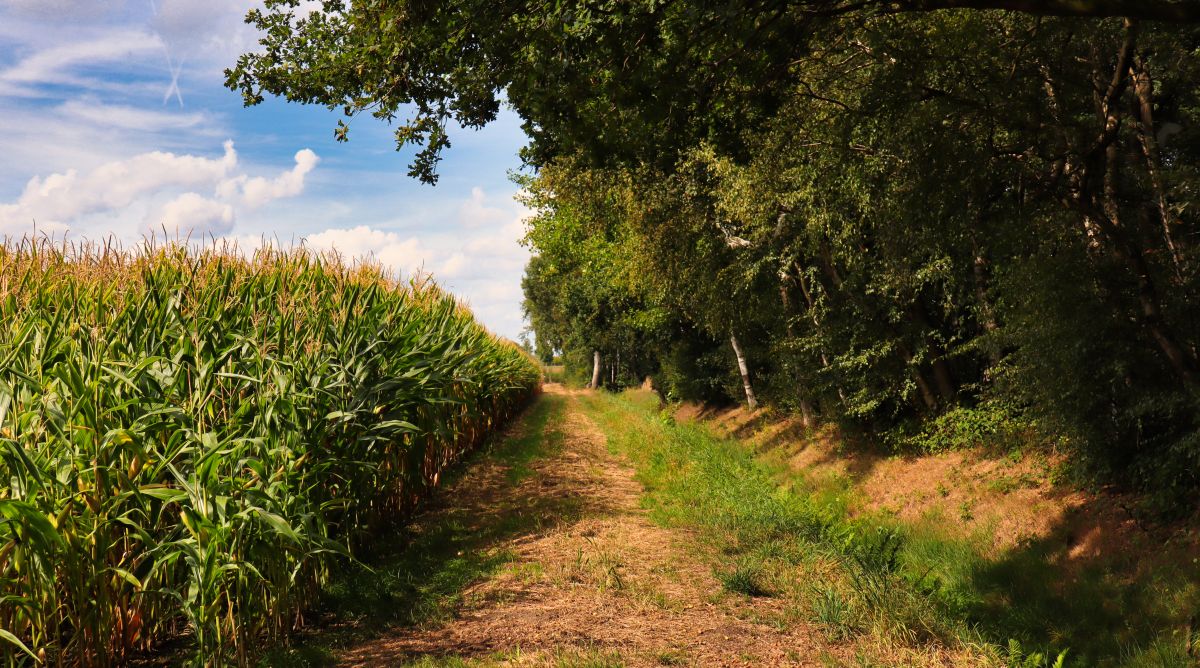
(672, 657)
(965, 512)
(745, 578)
(833, 612)
(1016, 657)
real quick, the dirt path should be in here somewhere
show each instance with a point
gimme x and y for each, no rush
(593, 582)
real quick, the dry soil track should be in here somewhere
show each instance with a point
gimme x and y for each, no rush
(595, 582)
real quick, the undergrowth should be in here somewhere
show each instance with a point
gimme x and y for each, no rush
(880, 580)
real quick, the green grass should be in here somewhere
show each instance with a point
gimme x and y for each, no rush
(744, 578)
(769, 528)
(418, 576)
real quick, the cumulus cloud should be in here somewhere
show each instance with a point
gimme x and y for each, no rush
(475, 253)
(145, 181)
(258, 190)
(477, 212)
(459, 252)
(405, 255)
(192, 214)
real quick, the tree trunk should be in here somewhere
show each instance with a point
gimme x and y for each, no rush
(923, 386)
(745, 371)
(942, 377)
(1143, 87)
(812, 312)
(1124, 241)
(1101, 216)
(987, 312)
(595, 370)
(1127, 250)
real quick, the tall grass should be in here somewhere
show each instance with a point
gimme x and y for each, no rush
(191, 440)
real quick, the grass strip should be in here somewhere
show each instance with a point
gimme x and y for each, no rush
(870, 579)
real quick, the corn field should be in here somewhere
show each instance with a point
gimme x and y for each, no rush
(191, 440)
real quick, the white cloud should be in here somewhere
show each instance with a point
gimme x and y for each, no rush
(256, 191)
(192, 214)
(118, 187)
(92, 112)
(77, 9)
(459, 248)
(400, 254)
(209, 32)
(476, 253)
(454, 265)
(54, 65)
(475, 212)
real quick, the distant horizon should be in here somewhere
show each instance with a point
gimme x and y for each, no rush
(121, 127)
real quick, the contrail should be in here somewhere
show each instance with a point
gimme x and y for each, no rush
(175, 70)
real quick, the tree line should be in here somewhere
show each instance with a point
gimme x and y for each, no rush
(932, 219)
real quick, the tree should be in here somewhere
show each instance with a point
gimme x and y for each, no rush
(890, 209)
(617, 80)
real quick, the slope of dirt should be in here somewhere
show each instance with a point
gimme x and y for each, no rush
(1012, 502)
(597, 578)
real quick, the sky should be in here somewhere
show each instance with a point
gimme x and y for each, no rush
(117, 125)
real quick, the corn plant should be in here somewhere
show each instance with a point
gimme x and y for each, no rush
(191, 439)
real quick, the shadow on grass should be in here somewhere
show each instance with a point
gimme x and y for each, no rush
(416, 576)
(1131, 603)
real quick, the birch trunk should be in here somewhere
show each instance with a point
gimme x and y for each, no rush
(595, 370)
(745, 371)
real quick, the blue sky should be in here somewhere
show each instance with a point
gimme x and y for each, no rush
(117, 124)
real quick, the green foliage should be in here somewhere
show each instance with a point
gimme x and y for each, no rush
(866, 291)
(897, 213)
(191, 442)
(990, 424)
(1017, 658)
(952, 227)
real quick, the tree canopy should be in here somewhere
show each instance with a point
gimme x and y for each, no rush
(614, 78)
(936, 219)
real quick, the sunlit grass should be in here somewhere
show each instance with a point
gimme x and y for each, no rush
(887, 583)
